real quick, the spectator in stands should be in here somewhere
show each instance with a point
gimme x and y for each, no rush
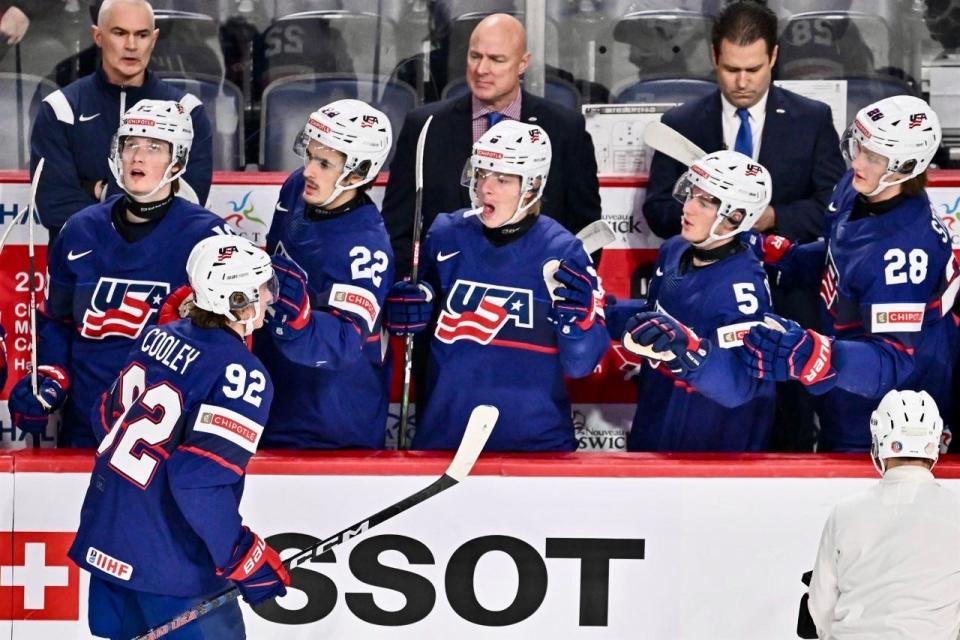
(75, 126)
(790, 135)
(496, 60)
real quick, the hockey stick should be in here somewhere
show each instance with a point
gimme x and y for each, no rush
(31, 209)
(417, 229)
(670, 142)
(481, 423)
(21, 143)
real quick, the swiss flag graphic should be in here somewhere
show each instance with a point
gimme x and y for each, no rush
(37, 579)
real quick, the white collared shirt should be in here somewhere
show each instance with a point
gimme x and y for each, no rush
(731, 122)
(889, 562)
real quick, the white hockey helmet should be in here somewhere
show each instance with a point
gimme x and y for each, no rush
(355, 129)
(906, 424)
(903, 129)
(226, 273)
(514, 148)
(736, 181)
(161, 120)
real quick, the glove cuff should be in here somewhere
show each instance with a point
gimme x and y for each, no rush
(818, 367)
(58, 374)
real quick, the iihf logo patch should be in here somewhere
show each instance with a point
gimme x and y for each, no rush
(477, 311)
(896, 446)
(916, 120)
(752, 170)
(369, 121)
(120, 307)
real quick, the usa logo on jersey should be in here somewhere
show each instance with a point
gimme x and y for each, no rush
(477, 311)
(829, 282)
(122, 307)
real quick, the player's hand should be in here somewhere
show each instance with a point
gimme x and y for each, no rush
(618, 311)
(575, 305)
(28, 412)
(256, 569)
(13, 25)
(3, 357)
(769, 248)
(409, 307)
(290, 312)
(780, 350)
(177, 305)
(661, 338)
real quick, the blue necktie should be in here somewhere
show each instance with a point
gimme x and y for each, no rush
(744, 142)
(493, 118)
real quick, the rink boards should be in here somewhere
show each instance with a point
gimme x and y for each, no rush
(567, 546)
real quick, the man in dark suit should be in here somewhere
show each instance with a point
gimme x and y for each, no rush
(792, 136)
(496, 59)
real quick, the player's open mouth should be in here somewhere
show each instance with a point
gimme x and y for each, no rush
(489, 210)
(137, 173)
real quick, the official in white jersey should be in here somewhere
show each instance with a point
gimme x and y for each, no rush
(889, 559)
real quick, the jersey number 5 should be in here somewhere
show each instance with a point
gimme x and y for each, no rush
(159, 409)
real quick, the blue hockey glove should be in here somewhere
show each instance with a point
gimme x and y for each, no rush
(409, 307)
(290, 312)
(256, 569)
(780, 349)
(3, 357)
(30, 413)
(661, 338)
(575, 306)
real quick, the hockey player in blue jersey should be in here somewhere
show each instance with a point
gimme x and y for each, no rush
(708, 289)
(520, 304)
(110, 269)
(160, 528)
(332, 256)
(888, 282)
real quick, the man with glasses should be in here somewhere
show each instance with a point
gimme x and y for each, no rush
(75, 125)
(111, 268)
(332, 256)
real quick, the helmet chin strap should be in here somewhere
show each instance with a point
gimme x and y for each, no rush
(713, 237)
(339, 188)
(883, 184)
(164, 181)
(248, 324)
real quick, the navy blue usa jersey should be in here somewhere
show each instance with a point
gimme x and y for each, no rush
(335, 385)
(719, 406)
(492, 342)
(888, 289)
(176, 431)
(104, 291)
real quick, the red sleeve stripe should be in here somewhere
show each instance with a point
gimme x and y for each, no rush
(212, 456)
